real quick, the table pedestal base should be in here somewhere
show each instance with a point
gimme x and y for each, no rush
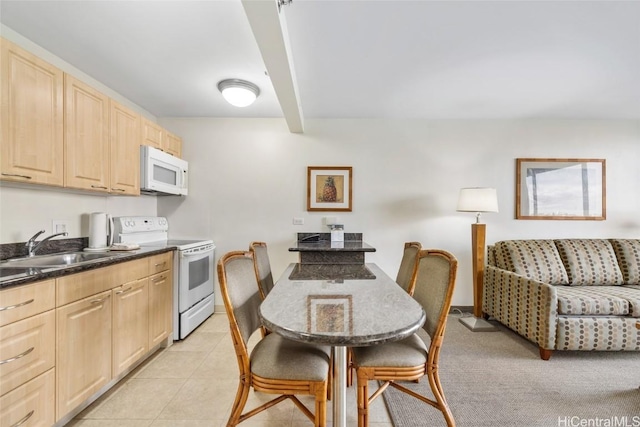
(339, 386)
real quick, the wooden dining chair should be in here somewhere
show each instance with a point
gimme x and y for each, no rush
(408, 266)
(406, 272)
(410, 359)
(262, 266)
(276, 365)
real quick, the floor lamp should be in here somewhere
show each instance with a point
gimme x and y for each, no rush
(478, 200)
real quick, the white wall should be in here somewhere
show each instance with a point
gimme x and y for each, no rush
(248, 181)
(25, 210)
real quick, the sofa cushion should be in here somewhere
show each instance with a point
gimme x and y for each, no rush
(628, 255)
(535, 259)
(589, 262)
(598, 301)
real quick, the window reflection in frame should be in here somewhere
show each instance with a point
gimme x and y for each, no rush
(561, 189)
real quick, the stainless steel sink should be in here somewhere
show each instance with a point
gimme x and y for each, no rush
(58, 260)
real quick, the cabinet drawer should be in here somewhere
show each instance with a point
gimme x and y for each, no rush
(77, 286)
(161, 262)
(27, 349)
(32, 404)
(130, 271)
(21, 302)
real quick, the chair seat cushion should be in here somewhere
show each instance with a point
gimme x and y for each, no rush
(411, 351)
(598, 301)
(276, 357)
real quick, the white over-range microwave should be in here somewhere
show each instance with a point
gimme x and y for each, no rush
(162, 173)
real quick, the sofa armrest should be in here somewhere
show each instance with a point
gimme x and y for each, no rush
(527, 306)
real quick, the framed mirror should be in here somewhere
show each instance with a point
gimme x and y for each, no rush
(564, 189)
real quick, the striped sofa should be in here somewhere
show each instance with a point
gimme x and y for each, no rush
(566, 294)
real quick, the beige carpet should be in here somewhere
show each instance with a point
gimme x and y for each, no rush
(494, 379)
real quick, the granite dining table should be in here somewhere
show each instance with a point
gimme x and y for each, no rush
(341, 310)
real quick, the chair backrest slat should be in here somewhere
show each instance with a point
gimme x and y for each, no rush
(407, 265)
(434, 284)
(262, 267)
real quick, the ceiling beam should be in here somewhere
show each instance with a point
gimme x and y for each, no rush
(270, 31)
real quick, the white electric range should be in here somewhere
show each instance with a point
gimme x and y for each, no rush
(193, 268)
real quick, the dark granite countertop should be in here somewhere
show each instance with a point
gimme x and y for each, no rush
(336, 272)
(20, 276)
(329, 246)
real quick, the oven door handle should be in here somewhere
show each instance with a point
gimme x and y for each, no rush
(192, 254)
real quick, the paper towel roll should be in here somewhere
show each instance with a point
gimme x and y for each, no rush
(98, 230)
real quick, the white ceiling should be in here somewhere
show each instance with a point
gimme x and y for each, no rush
(355, 59)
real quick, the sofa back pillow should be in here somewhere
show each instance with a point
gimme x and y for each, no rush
(628, 255)
(590, 262)
(535, 259)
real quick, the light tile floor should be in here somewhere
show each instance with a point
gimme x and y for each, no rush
(193, 384)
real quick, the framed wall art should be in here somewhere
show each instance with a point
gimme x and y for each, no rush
(329, 188)
(570, 189)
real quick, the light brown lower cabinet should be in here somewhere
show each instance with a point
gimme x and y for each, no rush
(27, 349)
(130, 324)
(64, 341)
(84, 350)
(160, 307)
(31, 404)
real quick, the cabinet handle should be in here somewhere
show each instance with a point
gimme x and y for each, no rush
(21, 355)
(16, 175)
(159, 279)
(24, 420)
(162, 263)
(99, 186)
(124, 291)
(11, 307)
(117, 189)
(99, 301)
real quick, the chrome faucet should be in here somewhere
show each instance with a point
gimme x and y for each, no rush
(32, 245)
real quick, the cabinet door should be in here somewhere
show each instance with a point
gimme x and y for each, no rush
(86, 136)
(32, 404)
(130, 324)
(152, 134)
(160, 306)
(173, 144)
(83, 362)
(27, 349)
(32, 118)
(125, 150)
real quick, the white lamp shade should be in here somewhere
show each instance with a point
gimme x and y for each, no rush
(239, 93)
(478, 199)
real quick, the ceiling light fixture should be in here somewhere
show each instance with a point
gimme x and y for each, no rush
(239, 93)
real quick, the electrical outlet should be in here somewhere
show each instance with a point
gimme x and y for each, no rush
(59, 226)
(298, 221)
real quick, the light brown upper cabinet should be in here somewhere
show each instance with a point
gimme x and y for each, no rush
(125, 150)
(152, 134)
(172, 144)
(32, 118)
(86, 136)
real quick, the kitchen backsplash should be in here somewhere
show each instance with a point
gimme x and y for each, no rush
(13, 250)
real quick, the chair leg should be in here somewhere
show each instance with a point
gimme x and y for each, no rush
(238, 405)
(349, 368)
(438, 393)
(321, 411)
(363, 400)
